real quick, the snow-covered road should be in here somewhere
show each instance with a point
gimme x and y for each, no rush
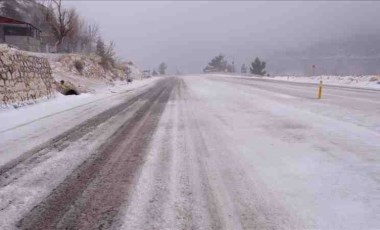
(207, 152)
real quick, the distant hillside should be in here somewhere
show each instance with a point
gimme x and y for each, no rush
(356, 55)
(25, 10)
(358, 46)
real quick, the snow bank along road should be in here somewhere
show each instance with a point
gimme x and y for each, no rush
(206, 152)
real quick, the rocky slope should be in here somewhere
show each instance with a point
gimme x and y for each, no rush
(23, 77)
(27, 77)
(85, 72)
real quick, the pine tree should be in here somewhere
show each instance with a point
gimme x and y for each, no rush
(162, 68)
(154, 73)
(258, 67)
(217, 64)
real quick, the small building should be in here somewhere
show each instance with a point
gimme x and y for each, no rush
(21, 34)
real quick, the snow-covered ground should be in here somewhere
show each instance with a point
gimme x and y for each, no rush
(365, 81)
(370, 81)
(238, 154)
(227, 153)
(39, 122)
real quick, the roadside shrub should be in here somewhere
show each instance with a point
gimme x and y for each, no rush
(106, 53)
(79, 65)
(106, 63)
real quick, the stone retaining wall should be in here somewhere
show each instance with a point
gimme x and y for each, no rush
(24, 78)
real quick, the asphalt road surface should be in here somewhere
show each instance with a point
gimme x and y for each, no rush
(206, 152)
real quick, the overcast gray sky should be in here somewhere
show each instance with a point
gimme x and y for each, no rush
(187, 34)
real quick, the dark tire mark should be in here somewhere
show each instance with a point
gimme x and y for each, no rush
(60, 142)
(90, 198)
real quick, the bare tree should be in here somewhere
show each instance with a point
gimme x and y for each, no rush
(75, 36)
(63, 22)
(84, 38)
(70, 31)
(89, 37)
(110, 53)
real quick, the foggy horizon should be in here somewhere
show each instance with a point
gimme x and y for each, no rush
(123, 115)
(186, 35)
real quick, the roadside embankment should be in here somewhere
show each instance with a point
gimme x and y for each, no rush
(23, 78)
(28, 77)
